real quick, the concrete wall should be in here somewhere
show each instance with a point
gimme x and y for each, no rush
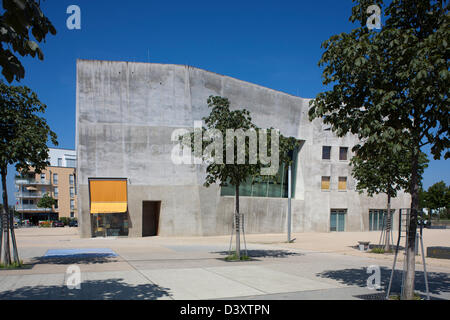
(126, 113)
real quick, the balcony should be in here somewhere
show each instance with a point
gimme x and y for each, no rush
(31, 207)
(25, 181)
(33, 195)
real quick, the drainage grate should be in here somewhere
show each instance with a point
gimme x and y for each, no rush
(372, 296)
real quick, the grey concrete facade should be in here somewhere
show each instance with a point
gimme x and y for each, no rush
(126, 114)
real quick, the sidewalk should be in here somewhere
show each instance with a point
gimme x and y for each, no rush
(322, 266)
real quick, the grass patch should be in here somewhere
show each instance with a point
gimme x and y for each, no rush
(380, 250)
(397, 297)
(234, 257)
(14, 265)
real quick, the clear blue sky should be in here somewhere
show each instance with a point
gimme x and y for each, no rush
(272, 43)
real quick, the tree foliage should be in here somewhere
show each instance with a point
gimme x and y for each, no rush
(437, 196)
(20, 22)
(23, 143)
(377, 169)
(391, 87)
(46, 201)
(223, 118)
(23, 132)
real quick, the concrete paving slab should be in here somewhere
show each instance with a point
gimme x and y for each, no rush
(198, 283)
(269, 281)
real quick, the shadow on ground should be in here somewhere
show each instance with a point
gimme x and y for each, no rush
(110, 289)
(89, 258)
(438, 282)
(264, 253)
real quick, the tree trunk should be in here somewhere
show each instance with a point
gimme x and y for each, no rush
(408, 289)
(237, 224)
(387, 245)
(6, 255)
(13, 238)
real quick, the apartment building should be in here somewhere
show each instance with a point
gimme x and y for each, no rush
(57, 180)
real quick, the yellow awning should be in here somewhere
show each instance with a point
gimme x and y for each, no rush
(108, 196)
(108, 207)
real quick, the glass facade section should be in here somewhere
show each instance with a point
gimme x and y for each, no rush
(260, 186)
(109, 224)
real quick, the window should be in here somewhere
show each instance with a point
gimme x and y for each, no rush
(55, 178)
(42, 176)
(71, 180)
(72, 204)
(343, 151)
(325, 183)
(55, 192)
(71, 163)
(72, 192)
(259, 187)
(60, 162)
(72, 215)
(56, 204)
(342, 184)
(326, 153)
(337, 219)
(377, 219)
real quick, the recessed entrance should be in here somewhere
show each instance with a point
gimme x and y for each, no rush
(150, 218)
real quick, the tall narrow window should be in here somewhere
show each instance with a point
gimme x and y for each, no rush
(55, 178)
(55, 192)
(59, 162)
(325, 183)
(337, 219)
(42, 176)
(72, 204)
(71, 180)
(342, 184)
(326, 152)
(343, 151)
(72, 192)
(56, 204)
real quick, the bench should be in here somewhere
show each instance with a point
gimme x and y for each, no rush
(438, 252)
(363, 245)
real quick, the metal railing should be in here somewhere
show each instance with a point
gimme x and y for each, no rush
(31, 207)
(20, 181)
(24, 194)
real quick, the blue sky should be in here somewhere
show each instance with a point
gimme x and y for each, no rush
(272, 43)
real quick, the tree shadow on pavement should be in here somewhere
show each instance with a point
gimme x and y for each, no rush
(111, 289)
(438, 282)
(264, 253)
(85, 258)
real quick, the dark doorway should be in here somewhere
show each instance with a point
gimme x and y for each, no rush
(150, 218)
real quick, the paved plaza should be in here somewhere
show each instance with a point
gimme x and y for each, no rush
(315, 266)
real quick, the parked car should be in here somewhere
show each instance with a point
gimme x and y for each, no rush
(73, 223)
(57, 224)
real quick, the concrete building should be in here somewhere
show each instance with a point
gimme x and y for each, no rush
(126, 114)
(57, 180)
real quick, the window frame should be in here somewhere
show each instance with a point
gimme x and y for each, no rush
(329, 152)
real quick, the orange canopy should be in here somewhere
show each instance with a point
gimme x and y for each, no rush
(108, 196)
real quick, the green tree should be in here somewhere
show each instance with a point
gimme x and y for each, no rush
(46, 202)
(379, 170)
(221, 119)
(390, 87)
(438, 196)
(23, 143)
(18, 19)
